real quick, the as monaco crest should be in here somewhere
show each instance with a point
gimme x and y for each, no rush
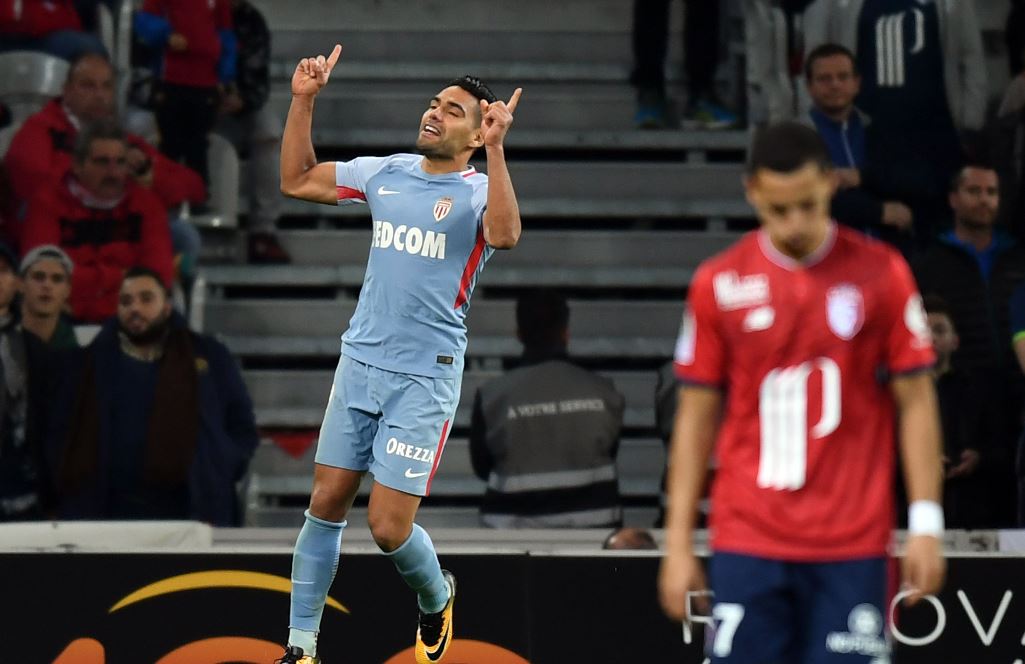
(442, 208)
(845, 310)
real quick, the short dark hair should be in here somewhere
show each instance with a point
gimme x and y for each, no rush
(542, 317)
(827, 51)
(140, 271)
(934, 304)
(955, 182)
(475, 87)
(102, 130)
(787, 147)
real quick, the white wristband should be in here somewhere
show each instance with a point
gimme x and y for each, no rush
(925, 517)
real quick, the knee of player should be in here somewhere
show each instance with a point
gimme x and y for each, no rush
(328, 503)
(388, 528)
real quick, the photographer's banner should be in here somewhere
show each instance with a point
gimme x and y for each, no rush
(512, 609)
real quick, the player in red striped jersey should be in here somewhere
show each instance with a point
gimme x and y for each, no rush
(803, 348)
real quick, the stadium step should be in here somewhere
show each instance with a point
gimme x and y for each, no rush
(312, 328)
(628, 190)
(580, 258)
(296, 398)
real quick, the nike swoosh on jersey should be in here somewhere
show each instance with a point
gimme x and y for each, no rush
(381, 191)
(411, 475)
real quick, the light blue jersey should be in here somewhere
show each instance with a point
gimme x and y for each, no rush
(427, 252)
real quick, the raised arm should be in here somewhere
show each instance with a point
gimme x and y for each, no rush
(502, 218)
(301, 176)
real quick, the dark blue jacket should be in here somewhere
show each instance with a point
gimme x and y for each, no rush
(226, 440)
(846, 142)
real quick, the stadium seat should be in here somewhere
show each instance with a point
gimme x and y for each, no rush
(29, 79)
(296, 398)
(224, 186)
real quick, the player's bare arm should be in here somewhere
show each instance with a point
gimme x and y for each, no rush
(923, 567)
(301, 176)
(697, 420)
(502, 218)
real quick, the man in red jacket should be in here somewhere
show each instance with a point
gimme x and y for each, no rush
(199, 57)
(103, 220)
(43, 146)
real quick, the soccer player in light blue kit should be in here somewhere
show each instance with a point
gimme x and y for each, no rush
(436, 222)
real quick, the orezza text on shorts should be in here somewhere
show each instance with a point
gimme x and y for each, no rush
(413, 452)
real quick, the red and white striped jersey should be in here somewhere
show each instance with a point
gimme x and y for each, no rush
(803, 352)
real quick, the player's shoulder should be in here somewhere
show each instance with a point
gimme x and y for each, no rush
(474, 177)
(740, 256)
(860, 249)
(374, 164)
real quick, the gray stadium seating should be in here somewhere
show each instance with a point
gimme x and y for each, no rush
(296, 398)
(641, 329)
(589, 258)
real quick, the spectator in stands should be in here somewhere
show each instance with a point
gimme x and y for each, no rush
(26, 376)
(545, 435)
(255, 131)
(50, 26)
(701, 44)
(923, 81)
(199, 56)
(42, 148)
(103, 220)
(975, 268)
(833, 82)
(771, 40)
(966, 421)
(161, 425)
(45, 288)
(626, 539)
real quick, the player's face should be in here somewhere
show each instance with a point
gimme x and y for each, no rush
(143, 309)
(89, 92)
(977, 198)
(834, 84)
(793, 207)
(451, 125)
(46, 288)
(944, 338)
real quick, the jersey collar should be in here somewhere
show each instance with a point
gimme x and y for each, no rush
(786, 262)
(454, 175)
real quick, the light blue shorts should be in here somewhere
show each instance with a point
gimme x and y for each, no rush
(392, 424)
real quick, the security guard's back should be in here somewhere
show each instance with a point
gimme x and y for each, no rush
(545, 435)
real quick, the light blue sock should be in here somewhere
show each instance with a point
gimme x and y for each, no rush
(417, 562)
(314, 563)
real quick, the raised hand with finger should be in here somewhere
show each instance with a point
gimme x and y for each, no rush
(312, 74)
(496, 119)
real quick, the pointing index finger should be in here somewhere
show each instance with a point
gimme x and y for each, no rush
(514, 100)
(332, 59)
